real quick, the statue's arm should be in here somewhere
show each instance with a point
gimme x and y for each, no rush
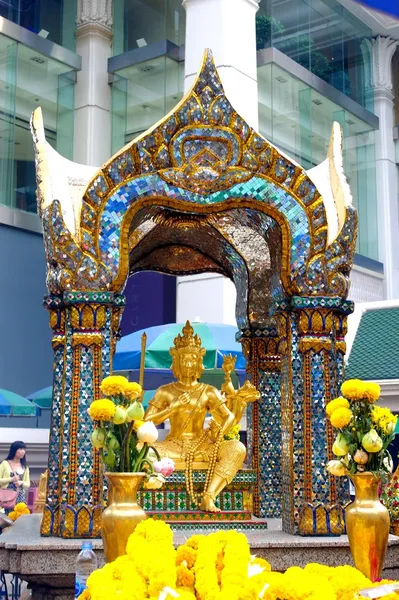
(219, 411)
(158, 409)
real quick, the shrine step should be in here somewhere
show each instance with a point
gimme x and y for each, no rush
(210, 524)
(199, 517)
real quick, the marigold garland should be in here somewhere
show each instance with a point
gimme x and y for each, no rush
(213, 567)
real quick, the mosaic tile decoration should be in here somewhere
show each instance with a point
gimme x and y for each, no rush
(198, 154)
(152, 186)
(270, 444)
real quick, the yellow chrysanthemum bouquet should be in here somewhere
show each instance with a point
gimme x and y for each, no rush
(364, 430)
(122, 437)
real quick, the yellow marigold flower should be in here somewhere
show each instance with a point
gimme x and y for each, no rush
(341, 417)
(102, 410)
(337, 403)
(353, 389)
(185, 577)
(20, 507)
(13, 515)
(186, 554)
(372, 391)
(85, 595)
(132, 390)
(113, 385)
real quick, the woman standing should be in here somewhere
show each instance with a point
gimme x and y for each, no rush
(14, 472)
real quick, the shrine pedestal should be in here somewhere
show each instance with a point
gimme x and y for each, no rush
(48, 564)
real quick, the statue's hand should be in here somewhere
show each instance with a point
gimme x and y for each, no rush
(182, 401)
(213, 430)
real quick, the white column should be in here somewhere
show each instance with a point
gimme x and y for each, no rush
(382, 50)
(92, 133)
(227, 27)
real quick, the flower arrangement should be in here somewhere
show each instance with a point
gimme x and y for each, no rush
(364, 430)
(19, 510)
(234, 433)
(217, 566)
(123, 439)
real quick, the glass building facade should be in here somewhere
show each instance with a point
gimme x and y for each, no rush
(323, 37)
(29, 79)
(54, 20)
(313, 66)
(298, 119)
(148, 65)
(141, 23)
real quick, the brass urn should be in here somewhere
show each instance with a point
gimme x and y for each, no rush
(122, 514)
(367, 524)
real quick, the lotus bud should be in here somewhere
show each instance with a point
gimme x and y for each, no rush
(335, 467)
(147, 433)
(391, 426)
(135, 412)
(340, 447)
(165, 466)
(98, 438)
(119, 416)
(109, 459)
(112, 443)
(372, 442)
(155, 482)
(361, 457)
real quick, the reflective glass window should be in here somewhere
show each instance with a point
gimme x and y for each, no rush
(52, 19)
(298, 120)
(321, 36)
(27, 80)
(142, 94)
(139, 23)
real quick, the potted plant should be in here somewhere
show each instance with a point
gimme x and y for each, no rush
(364, 432)
(125, 443)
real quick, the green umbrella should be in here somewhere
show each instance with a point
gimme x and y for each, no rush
(13, 405)
(43, 397)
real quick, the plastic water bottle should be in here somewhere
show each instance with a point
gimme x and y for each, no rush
(85, 564)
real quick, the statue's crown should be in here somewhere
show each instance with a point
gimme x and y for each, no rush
(188, 339)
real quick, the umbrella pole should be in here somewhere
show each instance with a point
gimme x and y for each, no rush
(142, 362)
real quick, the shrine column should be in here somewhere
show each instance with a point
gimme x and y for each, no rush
(85, 328)
(92, 133)
(311, 375)
(263, 355)
(379, 90)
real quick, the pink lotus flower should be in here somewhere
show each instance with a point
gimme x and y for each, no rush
(165, 466)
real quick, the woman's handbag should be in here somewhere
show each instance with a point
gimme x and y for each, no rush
(8, 498)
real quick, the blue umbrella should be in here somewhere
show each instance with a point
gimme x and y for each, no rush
(217, 339)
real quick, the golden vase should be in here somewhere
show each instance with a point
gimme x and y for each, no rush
(122, 514)
(367, 525)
